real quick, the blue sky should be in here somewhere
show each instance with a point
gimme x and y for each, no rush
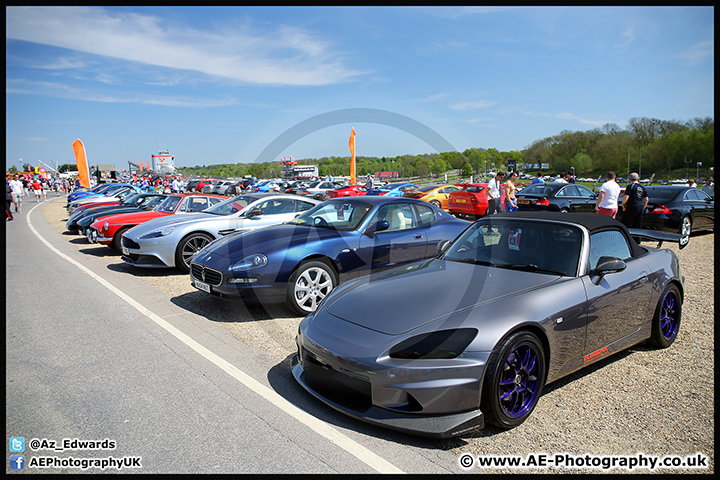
(220, 85)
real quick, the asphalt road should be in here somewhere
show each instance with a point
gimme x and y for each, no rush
(99, 350)
(95, 353)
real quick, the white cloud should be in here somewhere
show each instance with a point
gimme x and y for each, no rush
(287, 55)
(464, 106)
(698, 53)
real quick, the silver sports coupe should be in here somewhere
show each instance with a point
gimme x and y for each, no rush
(442, 346)
(174, 240)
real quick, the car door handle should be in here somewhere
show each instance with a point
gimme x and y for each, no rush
(418, 237)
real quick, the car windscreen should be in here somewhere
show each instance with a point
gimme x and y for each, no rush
(230, 206)
(532, 246)
(662, 194)
(538, 189)
(344, 215)
(153, 202)
(170, 204)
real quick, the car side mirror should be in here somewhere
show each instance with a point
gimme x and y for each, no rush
(442, 246)
(255, 212)
(377, 227)
(607, 265)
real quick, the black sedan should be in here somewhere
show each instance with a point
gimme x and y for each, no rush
(131, 202)
(557, 197)
(442, 346)
(678, 208)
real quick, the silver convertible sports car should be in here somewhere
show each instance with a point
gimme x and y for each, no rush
(173, 241)
(517, 301)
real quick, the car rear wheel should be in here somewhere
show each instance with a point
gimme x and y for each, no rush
(188, 247)
(308, 285)
(686, 226)
(436, 203)
(514, 380)
(666, 322)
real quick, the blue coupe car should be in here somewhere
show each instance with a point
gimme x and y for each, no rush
(303, 260)
(392, 189)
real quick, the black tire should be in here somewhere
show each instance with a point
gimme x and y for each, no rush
(117, 239)
(514, 380)
(309, 284)
(436, 203)
(188, 247)
(564, 210)
(666, 321)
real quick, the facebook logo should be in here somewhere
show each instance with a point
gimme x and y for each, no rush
(17, 444)
(17, 462)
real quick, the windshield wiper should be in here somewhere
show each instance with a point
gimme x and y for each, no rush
(531, 267)
(472, 261)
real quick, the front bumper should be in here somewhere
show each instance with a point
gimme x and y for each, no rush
(149, 254)
(433, 398)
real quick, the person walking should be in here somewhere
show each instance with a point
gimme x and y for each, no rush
(8, 201)
(510, 199)
(36, 189)
(494, 192)
(369, 183)
(45, 187)
(18, 192)
(607, 202)
(634, 202)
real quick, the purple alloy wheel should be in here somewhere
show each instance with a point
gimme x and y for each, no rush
(669, 316)
(520, 382)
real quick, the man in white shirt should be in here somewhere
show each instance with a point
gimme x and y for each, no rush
(494, 193)
(17, 192)
(607, 202)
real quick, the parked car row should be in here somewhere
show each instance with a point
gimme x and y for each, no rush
(398, 295)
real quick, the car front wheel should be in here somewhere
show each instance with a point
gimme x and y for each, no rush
(514, 380)
(308, 285)
(188, 247)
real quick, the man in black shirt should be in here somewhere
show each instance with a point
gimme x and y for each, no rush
(634, 202)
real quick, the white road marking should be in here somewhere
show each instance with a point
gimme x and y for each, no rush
(352, 447)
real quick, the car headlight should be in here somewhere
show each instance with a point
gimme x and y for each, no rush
(251, 262)
(159, 233)
(435, 345)
(106, 227)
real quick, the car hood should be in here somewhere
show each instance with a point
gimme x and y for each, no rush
(265, 240)
(427, 291)
(165, 221)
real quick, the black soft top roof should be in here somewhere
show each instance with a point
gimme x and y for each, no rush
(593, 222)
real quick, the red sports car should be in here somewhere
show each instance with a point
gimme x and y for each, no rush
(346, 191)
(109, 230)
(471, 201)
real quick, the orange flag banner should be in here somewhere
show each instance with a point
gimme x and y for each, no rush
(82, 164)
(352, 156)
(147, 164)
(140, 164)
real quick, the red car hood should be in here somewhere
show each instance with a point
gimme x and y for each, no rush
(128, 218)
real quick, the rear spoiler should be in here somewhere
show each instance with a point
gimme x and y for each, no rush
(659, 236)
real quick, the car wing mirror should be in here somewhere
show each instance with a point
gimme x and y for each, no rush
(377, 227)
(607, 265)
(442, 246)
(255, 212)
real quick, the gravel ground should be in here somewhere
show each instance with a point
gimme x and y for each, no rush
(642, 400)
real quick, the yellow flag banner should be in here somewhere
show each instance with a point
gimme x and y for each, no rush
(81, 160)
(352, 156)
